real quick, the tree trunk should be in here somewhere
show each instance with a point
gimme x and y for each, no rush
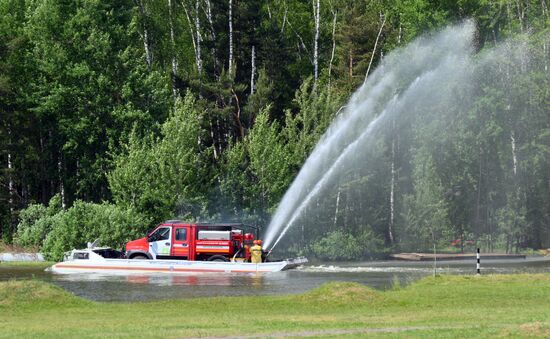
(544, 49)
(346, 207)
(351, 63)
(213, 137)
(45, 194)
(145, 35)
(383, 17)
(173, 43)
(478, 200)
(392, 188)
(336, 211)
(199, 36)
(238, 114)
(213, 38)
(148, 53)
(400, 34)
(514, 153)
(219, 135)
(521, 14)
(284, 17)
(230, 37)
(11, 186)
(195, 34)
(253, 69)
(334, 14)
(316, 16)
(191, 31)
(61, 183)
(209, 18)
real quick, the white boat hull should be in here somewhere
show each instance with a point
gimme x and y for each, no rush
(97, 264)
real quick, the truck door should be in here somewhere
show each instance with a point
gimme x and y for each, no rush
(159, 242)
(180, 245)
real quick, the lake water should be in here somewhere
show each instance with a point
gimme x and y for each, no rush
(376, 274)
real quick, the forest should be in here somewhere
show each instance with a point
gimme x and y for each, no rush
(119, 114)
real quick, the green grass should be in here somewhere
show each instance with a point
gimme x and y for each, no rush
(24, 264)
(446, 306)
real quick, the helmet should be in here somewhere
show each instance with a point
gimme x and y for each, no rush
(259, 242)
(255, 242)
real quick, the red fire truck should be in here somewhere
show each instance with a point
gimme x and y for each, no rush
(175, 239)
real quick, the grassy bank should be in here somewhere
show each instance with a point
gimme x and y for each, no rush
(26, 264)
(453, 306)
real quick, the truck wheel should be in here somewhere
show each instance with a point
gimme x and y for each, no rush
(217, 258)
(140, 257)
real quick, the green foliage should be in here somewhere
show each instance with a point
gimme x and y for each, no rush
(153, 175)
(337, 245)
(512, 223)
(315, 109)
(258, 170)
(261, 98)
(426, 215)
(35, 222)
(85, 222)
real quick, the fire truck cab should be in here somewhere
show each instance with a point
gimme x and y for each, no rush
(175, 239)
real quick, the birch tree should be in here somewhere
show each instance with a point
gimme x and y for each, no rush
(193, 21)
(382, 23)
(230, 16)
(252, 68)
(173, 44)
(317, 18)
(144, 33)
(334, 15)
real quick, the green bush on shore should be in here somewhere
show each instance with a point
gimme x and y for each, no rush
(35, 222)
(84, 222)
(339, 245)
(55, 231)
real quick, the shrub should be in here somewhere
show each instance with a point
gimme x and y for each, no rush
(35, 222)
(372, 246)
(85, 222)
(337, 245)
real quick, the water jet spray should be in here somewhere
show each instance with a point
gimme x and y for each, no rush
(405, 81)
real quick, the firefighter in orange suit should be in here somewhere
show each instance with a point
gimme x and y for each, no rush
(256, 252)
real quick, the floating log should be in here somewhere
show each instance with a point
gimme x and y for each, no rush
(453, 256)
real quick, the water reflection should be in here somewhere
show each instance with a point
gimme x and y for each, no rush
(376, 274)
(138, 279)
(194, 279)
